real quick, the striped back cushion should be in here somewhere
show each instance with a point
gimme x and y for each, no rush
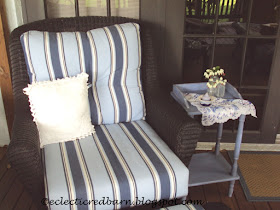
(110, 55)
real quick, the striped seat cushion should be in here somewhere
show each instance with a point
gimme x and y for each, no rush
(125, 161)
(110, 55)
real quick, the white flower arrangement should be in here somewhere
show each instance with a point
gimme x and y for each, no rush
(215, 76)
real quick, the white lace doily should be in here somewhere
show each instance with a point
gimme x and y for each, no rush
(221, 110)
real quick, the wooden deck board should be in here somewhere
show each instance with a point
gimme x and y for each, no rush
(197, 193)
(261, 205)
(13, 195)
(3, 167)
(212, 193)
(239, 195)
(223, 190)
(6, 183)
(2, 152)
(24, 201)
(274, 205)
(33, 207)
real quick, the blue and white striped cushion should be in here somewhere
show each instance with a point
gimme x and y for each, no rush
(110, 55)
(122, 161)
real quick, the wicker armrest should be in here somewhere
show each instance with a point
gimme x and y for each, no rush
(173, 125)
(24, 151)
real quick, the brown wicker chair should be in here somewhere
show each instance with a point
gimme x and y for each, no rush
(166, 117)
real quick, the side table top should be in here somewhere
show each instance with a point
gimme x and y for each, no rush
(179, 91)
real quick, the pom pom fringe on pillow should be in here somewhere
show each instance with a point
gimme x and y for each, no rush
(60, 109)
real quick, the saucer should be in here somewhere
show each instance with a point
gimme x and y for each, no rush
(205, 103)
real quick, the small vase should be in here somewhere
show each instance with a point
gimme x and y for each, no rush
(213, 91)
(220, 90)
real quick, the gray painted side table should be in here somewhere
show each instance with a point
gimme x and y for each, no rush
(208, 168)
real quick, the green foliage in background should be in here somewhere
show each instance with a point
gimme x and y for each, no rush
(211, 3)
(208, 7)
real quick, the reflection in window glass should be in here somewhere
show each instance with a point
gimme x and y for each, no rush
(264, 18)
(233, 10)
(197, 56)
(232, 17)
(93, 7)
(228, 53)
(257, 97)
(125, 8)
(204, 10)
(200, 16)
(60, 8)
(258, 62)
(66, 8)
(196, 26)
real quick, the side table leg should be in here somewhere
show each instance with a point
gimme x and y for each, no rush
(231, 187)
(236, 152)
(219, 137)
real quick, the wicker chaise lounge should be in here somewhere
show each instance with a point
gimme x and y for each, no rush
(164, 115)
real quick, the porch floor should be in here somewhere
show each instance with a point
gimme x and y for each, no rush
(13, 196)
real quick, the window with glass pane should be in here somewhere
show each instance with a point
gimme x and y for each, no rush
(66, 8)
(93, 7)
(197, 53)
(240, 36)
(200, 16)
(60, 8)
(125, 8)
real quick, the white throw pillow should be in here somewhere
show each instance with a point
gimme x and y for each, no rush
(60, 109)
